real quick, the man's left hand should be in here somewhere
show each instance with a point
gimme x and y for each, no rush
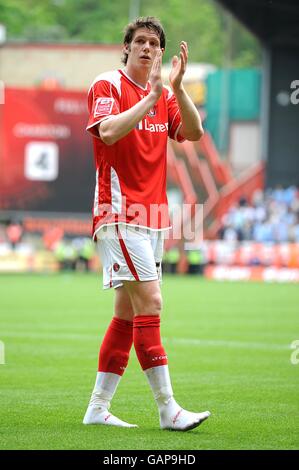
(178, 67)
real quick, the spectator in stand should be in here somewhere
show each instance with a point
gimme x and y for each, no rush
(84, 249)
(171, 259)
(195, 261)
(65, 255)
(14, 232)
(294, 230)
(263, 232)
(280, 229)
(272, 217)
(228, 231)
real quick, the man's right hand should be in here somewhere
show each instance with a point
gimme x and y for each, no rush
(117, 126)
(155, 76)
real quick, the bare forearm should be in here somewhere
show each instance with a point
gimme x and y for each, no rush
(118, 126)
(191, 123)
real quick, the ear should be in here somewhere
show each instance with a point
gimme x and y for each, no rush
(163, 50)
(127, 48)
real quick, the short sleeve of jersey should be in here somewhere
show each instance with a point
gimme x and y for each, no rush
(103, 101)
(174, 117)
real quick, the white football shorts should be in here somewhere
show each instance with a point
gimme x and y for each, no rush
(129, 253)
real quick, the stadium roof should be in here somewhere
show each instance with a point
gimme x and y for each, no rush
(272, 21)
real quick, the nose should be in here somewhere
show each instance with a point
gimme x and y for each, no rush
(146, 46)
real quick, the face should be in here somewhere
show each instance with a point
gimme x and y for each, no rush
(143, 48)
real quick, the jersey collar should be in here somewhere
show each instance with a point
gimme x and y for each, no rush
(132, 81)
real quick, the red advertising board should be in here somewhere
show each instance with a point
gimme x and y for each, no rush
(46, 161)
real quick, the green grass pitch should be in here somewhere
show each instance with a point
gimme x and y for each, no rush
(229, 352)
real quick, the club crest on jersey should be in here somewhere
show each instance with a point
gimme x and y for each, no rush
(103, 106)
(116, 267)
(152, 112)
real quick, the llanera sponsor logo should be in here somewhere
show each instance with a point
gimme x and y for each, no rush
(150, 127)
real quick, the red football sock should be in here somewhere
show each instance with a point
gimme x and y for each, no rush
(147, 341)
(116, 345)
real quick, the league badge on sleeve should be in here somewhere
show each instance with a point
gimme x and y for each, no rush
(103, 106)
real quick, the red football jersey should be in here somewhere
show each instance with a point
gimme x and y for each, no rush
(131, 174)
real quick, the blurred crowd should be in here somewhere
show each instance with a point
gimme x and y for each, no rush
(264, 231)
(272, 216)
(70, 253)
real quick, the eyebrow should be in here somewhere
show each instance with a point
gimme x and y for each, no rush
(152, 38)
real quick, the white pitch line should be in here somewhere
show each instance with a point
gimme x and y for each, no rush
(62, 336)
(228, 343)
(179, 341)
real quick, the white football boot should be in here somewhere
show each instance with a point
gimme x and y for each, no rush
(97, 411)
(96, 414)
(172, 416)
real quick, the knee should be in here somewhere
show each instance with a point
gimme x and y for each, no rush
(156, 303)
(146, 299)
(123, 308)
(124, 314)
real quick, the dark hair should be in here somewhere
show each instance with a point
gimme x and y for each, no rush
(149, 22)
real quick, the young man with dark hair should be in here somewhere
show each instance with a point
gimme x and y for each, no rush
(131, 117)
